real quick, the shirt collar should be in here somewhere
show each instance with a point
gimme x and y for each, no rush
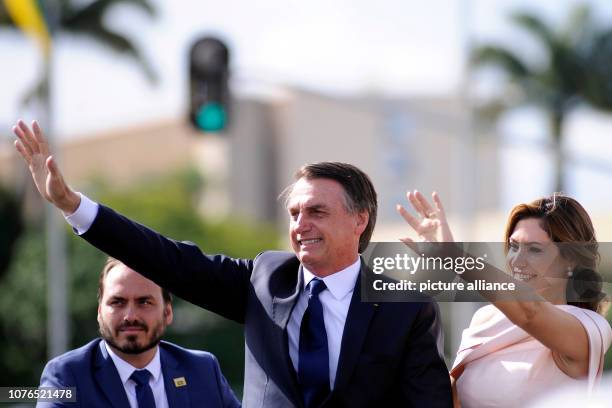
(125, 369)
(340, 283)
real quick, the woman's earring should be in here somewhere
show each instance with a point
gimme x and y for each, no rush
(570, 271)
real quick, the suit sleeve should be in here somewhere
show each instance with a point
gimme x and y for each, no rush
(426, 379)
(54, 376)
(228, 399)
(215, 282)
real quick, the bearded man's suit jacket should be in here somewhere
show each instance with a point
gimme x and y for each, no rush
(390, 352)
(91, 370)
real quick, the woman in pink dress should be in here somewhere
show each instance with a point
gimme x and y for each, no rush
(517, 350)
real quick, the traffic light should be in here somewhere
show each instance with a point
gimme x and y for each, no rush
(209, 92)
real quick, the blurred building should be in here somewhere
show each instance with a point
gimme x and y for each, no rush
(401, 143)
(411, 143)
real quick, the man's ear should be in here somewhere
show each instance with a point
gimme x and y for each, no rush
(168, 313)
(362, 221)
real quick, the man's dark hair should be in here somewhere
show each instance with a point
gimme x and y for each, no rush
(110, 264)
(358, 190)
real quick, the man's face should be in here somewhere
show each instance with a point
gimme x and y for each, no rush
(132, 315)
(323, 234)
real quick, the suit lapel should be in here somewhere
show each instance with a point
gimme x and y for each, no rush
(108, 379)
(178, 396)
(282, 306)
(281, 312)
(355, 331)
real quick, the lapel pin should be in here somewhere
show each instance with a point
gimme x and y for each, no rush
(375, 304)
(180, 382)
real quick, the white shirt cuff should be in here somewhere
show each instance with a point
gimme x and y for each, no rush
(84, 216)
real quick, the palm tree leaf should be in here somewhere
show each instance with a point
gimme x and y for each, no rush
(119, 44)
(598, 86)
(568, 68)
(95, 12)
(502, 58)
(579, 27)
(535, 26)
(89, 20)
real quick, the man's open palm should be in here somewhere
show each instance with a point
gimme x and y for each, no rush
(34, 149)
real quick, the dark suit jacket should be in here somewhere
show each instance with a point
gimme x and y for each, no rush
(91, 370)
(390, 352)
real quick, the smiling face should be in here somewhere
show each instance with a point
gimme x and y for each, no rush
(132, 314)
(323, 233)
(534, 259)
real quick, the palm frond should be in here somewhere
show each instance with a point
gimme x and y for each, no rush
(119, 44)
(143, 5)
(95, 12)
(89, 21)
(579, 26)
(569, 68)
(502, 58)
(598, 84)
(534, 25)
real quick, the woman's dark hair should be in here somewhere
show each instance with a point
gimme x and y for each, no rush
(566, 221)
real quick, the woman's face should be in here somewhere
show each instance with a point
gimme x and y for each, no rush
(534, 259)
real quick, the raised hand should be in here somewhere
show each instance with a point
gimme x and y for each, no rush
(33, 147)
(432, 226)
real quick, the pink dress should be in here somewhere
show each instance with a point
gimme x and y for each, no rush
(503, 366)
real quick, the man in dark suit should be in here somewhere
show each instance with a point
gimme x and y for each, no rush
(310, 341)
(129, 367)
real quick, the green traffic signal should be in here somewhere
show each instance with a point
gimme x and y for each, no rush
(209, 97)
(211, 117)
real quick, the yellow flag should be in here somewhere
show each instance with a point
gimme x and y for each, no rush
(27, 15)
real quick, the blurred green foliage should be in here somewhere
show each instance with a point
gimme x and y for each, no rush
(167, 205)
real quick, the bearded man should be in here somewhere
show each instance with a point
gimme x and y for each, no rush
(129, 366)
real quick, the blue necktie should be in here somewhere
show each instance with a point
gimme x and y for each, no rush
(313, 365)
(144, 395)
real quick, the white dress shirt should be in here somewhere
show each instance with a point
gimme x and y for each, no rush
(335, 300)
(156, 381)
(84, 216)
